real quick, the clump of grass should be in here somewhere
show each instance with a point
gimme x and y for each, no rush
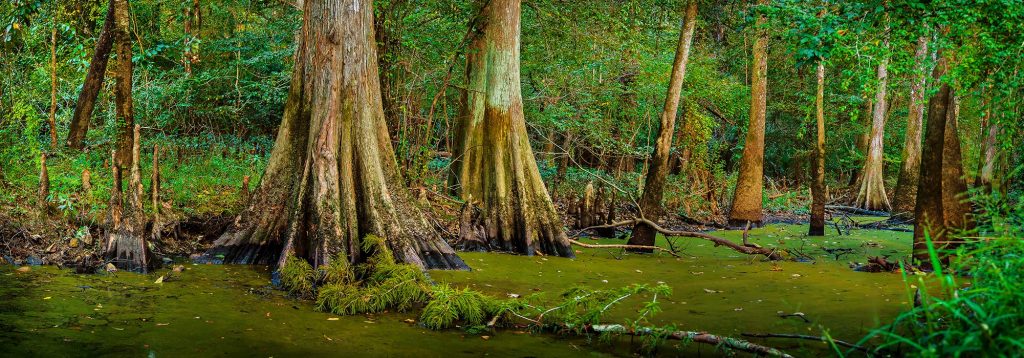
(983, 318)
(449, 305)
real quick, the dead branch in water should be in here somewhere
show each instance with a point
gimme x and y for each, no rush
(615, 246)
(813, 338)
(718, 241)
(694, 336)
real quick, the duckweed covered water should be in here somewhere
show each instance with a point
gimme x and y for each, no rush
(232, 310)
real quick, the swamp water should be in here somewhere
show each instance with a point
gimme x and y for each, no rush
(228, 310)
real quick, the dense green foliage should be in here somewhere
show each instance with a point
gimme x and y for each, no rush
(975, 309)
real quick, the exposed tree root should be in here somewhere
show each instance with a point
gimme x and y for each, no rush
(813, 338)
(698, 337)
(772, 254)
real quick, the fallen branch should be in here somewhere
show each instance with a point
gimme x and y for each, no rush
(699, 337)
(615, 246)
(855, 211)
(813, 338)
(770, 253)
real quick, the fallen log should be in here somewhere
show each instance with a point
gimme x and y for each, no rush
(803, 336)
(772, 254)
(699, 337)
(616, 246)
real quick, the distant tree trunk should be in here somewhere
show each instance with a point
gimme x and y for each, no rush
(654, 186)
(871, 194)
(940, 210)
(905, 197)
(817, 227)
(93, 81)
(53, 86)
(495, 165)
(332, 178)
(124, 106)
(193, 18)
(747, 201)
(989, 160)
(862, 140)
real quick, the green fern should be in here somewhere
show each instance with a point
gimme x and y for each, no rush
(298, 277)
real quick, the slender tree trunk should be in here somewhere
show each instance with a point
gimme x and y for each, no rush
(905, 197)
(495, 165)
(654, 186)
(124, 109)
(747, 201)
(93, 81)
(941, 212)
(332, 178)
(871, 194)
(53, 86)
(817, 227)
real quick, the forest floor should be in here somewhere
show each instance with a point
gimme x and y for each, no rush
(233, 310)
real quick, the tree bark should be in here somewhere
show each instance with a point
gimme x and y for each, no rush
(940, 211)
(193, 17)
(495, 166)
(53, 86)
(332, 178)
(124, 106)
(126, 244)
(747, 201)
(654, 186)
(905, 197)
(93, 81)
(871, 194)
(817, 226)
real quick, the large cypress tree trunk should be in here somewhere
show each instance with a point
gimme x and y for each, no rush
(93, 81)
(871, 194)
(125, 108)
(495, 167)
(905, 197)
(817, 227)
(747, 201)
(941, 211)
(126, 243)
(654, 187)
(332, 178)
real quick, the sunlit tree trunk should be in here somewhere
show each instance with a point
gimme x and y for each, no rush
(125, 107)
(654, 186)
(905, 197)
(495, 167)
(332, 178)
(747, 201)
(989, 148)
(941, 212)
(93, 81)
(817, 227)
(871, 194)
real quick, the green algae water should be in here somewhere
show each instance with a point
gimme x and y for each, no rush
(210, 310)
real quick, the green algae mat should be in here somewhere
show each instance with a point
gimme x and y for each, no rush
(227, 310)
